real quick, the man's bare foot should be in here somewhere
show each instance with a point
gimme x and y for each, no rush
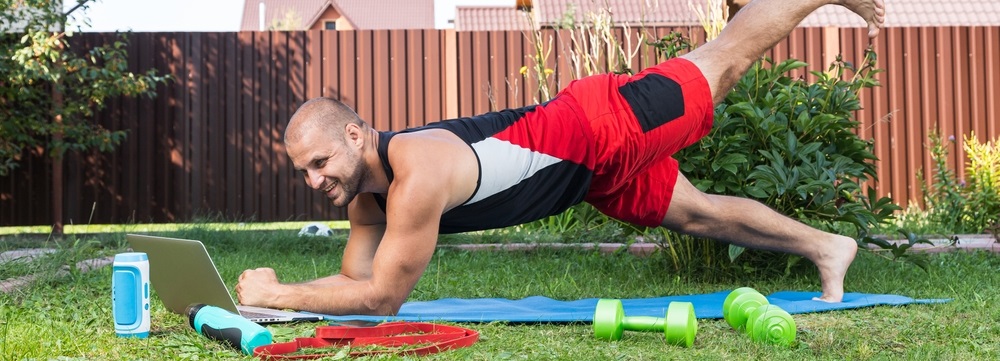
(873, 11)
(833, 261)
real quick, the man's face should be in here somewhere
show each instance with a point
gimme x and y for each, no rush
(330, 166)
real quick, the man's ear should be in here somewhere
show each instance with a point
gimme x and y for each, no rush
(354, 135)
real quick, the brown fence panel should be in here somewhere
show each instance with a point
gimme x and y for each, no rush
(210, 143)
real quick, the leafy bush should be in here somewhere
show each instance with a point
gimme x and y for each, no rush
(983, 190)
(964, 206)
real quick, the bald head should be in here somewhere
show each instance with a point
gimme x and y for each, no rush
(325, 116)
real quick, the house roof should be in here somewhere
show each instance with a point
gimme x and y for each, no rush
(915, 13)
(362, 14)
(491, 18)
(633, 12)
(900, 13)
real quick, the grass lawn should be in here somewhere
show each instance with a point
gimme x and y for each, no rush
(70, 317)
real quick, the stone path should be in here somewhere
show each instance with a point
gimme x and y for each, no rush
(26, 255)
(965, 242)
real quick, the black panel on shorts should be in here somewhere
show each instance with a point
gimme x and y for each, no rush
(655, 100)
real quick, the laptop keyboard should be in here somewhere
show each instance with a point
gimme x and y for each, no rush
(253, 315)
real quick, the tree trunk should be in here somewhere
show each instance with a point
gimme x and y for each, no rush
(57, 168)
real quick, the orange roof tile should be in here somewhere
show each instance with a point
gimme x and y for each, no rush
(491, 18)
(632, 12)
(363, 14)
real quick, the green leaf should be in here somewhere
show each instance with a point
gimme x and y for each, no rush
(734, 252)
(878, 242)
(790, 262)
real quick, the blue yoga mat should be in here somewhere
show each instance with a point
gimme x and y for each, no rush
(544, 309)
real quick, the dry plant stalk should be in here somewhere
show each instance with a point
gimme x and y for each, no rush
(593, 49)
(596, 50)
(713, 17)
(538, 60)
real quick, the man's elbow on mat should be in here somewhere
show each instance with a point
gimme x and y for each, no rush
(383, 303)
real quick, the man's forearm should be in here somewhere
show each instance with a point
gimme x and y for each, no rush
(336, 279)
(334, 295)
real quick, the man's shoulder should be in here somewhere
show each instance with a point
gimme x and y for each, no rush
(427, 148)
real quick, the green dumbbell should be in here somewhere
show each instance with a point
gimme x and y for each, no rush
(746, 309)
(679, 325)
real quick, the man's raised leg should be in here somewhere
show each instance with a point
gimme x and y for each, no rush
(758, 27)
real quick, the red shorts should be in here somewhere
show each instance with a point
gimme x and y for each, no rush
(638, 123)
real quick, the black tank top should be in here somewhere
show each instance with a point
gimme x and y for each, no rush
(518, 181)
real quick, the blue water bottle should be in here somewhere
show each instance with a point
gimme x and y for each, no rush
(130, 294)
(232, 329)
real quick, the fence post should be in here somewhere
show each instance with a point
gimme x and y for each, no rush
(450, 74)
(831, 45)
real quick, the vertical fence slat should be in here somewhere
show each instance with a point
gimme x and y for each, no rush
(961, 78)
(193, 120)
(250, 89)
(945, 90)
(265, 172)
(992, 59)
(298, 64)
(530, 87)
(480, 73)
(881, 116)
(164, 147)
(912, 128)
(143, 121)
(382, 102)
(897, 124)
(926, 84)
(230, 64)
(365, 96)
(415, 56)
(465, 81)
(215, 135)
(180, 133)
(432, 84)
(977, 82)
(514, 83)
(280, 168)
(495, 85)
(397, 88)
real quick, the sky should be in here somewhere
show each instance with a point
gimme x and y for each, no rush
(213, 15)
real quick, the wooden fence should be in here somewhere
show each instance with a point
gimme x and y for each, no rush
(210, 143)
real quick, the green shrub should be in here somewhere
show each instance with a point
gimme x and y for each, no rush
(956, 206)
(983, 186)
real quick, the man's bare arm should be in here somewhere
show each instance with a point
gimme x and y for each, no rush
(260, 287)
(416, 200)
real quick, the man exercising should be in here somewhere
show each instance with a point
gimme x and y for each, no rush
(605, 139)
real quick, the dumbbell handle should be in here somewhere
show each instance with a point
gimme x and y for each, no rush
(644, 323)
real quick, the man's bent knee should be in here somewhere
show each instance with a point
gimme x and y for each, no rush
(721, 64)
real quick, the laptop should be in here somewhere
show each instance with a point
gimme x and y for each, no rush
(182, 273)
